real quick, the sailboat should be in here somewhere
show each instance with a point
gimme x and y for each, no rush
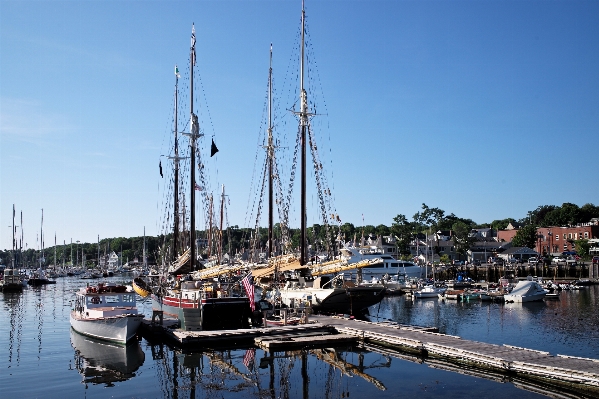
(199, 304)
(323, 293)
(39, 277)
(11, 281)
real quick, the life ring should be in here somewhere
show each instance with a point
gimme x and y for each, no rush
(95, 300)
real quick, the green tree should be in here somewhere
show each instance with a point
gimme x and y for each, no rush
(582, 248)
(404, 231)
(461, 237)
(525, 237)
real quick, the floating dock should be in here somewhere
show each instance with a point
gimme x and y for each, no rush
(326, 331)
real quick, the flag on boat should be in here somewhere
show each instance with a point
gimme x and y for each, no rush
(248, 285)
(248, 358)
(160, 167)
(177, 74)
(213, 149)
(197, 187)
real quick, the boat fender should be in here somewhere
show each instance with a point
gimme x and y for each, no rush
(96, 300)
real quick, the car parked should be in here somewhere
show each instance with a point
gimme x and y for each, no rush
(595, 260)
(533, 260)
(496, 261)
(558, 260)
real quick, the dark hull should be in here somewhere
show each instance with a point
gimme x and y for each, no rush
(40, 281)
(11, 287)
(354, 300)
(215, 313)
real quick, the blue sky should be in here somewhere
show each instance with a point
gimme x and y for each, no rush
(485, 109)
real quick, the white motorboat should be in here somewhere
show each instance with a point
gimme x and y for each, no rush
(526, 291)
(429, 291)
(386, 264)
(107, 312)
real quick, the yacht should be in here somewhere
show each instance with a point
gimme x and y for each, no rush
(386, 264)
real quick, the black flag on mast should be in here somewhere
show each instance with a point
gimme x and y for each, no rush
(160, 166)
(213, 149)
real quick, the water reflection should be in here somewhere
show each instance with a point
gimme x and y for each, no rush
(102, 362)
(13, 304)
(300, 373)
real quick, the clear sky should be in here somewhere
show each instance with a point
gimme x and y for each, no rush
(485, 109)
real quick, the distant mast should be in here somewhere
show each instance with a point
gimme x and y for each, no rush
(303, 125)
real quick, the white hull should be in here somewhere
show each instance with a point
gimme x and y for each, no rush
(429, 292)
(526, 291)
(118, 329)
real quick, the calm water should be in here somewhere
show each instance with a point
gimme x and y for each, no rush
(42, 358)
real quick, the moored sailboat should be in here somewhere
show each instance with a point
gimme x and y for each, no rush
(324, 293)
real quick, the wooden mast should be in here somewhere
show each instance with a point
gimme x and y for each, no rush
(193, 135)
(176, 190)
(220, 233)
(303, 125)
(270, 161)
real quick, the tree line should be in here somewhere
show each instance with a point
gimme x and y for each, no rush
(237, 240)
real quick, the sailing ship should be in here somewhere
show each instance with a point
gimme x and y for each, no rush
(323, 293)
(198, 304)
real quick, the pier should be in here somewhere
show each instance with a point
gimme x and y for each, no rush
(580, 374)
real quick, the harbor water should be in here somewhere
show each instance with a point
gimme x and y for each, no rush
(42, 357)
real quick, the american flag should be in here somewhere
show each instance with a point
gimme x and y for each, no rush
(248, 358)
(248, 285)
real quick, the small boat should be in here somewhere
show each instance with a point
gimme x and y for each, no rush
(429, 291)
(454, 294)
(526, 291)
(141, 287)
(11, 281)
(106, 312)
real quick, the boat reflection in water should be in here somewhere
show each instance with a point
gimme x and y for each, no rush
(102, 362)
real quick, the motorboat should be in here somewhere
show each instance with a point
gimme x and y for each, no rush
(429, 291)
(11, 281)
(107, 312)
(385, 264)
(526, 291)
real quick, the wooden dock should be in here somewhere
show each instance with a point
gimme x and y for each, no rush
(424, 343)
(507, 358)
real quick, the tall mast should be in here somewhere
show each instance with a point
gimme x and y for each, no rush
(270, 161)
(55, 251)
(303, 126)
(193, 135)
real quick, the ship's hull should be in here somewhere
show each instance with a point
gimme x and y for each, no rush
(119, 329)
(349, 300)
(215, 313)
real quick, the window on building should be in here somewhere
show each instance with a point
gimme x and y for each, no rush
(586, 234)
(570, 235)
(557, 237)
